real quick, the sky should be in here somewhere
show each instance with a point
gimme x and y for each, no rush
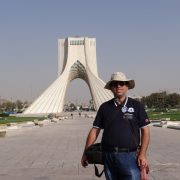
(140, 38)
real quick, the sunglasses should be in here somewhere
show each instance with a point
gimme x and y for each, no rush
(121, 83)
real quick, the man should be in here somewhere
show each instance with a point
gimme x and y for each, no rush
(128, 129)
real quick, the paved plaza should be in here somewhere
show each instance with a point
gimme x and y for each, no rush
(53, 152)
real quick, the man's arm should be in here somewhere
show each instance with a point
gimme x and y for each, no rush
(145, 138)
(91, 138)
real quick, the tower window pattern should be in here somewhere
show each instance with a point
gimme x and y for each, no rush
(77, 42)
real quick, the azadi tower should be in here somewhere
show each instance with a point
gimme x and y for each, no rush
(76, 59)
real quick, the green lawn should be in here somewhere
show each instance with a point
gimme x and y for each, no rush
(163, 115)
(175, 116)
(13, 119)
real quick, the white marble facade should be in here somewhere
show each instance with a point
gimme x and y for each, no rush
(76, 59)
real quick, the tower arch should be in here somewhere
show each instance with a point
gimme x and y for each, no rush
(76, 59)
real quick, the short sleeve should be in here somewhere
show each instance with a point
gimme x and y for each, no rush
(99, 120)
(143, 119)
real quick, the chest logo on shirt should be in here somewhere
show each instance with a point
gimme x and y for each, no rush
(131, 110)
(124, 109)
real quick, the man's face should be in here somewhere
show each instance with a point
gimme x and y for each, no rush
(119, 88)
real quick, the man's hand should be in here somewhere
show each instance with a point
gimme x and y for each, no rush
(145, 137)
(142, 161)
(84, 161)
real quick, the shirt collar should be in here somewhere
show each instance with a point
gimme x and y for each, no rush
(117, 102)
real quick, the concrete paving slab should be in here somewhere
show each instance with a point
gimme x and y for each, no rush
(53, 152)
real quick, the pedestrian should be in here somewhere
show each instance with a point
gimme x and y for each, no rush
(72, 115)
(128, 129)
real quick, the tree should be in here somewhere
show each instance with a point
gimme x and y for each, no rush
(73, 107)
(173, 100)
(19, 105)
(7, 106)
(161, 100)
(91, 104)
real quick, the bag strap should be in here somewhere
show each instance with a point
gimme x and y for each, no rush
(97, 171)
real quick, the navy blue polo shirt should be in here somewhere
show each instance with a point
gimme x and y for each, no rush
(119, 134)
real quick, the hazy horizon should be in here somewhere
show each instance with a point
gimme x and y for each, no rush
(139, 38)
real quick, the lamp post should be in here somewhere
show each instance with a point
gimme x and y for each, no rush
(11, 107)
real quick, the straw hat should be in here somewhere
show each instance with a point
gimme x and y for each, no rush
(119, 76)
